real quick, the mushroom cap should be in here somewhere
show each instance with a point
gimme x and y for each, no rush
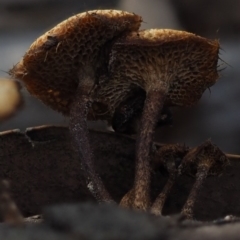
(187, 63)
(207, 156)
(52, 65)
(10, 98)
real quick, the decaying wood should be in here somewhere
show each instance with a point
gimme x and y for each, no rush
(43, 170)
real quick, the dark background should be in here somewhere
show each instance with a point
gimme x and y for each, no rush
(216, 116)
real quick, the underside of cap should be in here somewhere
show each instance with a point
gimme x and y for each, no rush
(187, 63)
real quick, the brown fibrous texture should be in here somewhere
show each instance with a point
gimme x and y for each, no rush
(185, 62)
(51, 67)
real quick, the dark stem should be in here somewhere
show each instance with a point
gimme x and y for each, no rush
(79, 131)
(187, 210)
(151, 112)
(158, 204)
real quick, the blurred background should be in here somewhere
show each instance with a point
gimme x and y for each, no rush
(216, 116)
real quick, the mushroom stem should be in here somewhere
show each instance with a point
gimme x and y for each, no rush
(202, 172)
(170, 156)
(151, 112)
(158, 204)
(79, 131)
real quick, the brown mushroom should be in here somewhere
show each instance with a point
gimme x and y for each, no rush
(174, 67)
(62, 68)
(206, 159)
(202, 161)
(10, 98)
(170, 156)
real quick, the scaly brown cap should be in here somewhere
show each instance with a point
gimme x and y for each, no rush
(51, 67)
(187, 63)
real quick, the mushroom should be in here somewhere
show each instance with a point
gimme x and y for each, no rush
(62, 68)
(89, 64)
(10, 98)
(202, 161)
(170, 156)
(172, 67)
(206, 159)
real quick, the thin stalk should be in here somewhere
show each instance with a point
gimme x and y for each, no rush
(158, 204)
(79, 131)
(201, 175)
(151, 112)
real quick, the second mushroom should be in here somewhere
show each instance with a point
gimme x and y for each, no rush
(174, 68)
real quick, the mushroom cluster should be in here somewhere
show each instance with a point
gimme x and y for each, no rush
(90, 64)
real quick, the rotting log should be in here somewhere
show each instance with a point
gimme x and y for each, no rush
(43, 169)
